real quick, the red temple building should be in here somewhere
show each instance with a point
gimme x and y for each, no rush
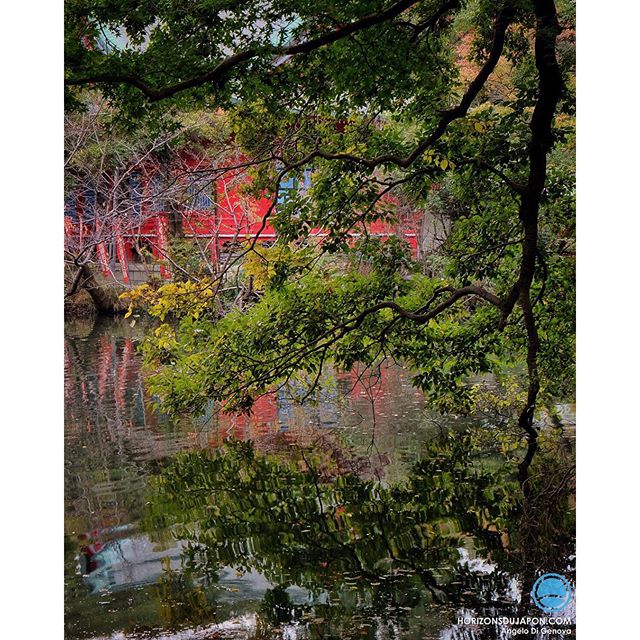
(215, 213)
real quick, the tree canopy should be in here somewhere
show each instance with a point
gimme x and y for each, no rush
(461, 109)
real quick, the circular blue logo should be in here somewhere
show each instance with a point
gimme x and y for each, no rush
(551, 592)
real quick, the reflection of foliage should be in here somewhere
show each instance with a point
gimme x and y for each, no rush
(548, 520)
(372, 554)
(181, 602)
(277, 606)
(281, 518)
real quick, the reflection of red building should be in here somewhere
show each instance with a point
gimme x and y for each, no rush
(262, 421)
(215, 212)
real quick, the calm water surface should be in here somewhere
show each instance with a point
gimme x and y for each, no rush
(227, 547)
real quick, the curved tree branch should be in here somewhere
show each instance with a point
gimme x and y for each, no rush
(422, 317)
(217, 75)
(459, 111)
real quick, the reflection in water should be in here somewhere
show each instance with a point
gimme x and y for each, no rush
(356, 516)
(365, 551)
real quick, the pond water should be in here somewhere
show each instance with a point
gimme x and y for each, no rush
(358, 515)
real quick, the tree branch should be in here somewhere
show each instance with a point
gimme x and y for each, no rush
(217, 74)
(471, 290)
(501, 24)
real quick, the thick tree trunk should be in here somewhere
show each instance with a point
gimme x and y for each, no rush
(549, 92)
